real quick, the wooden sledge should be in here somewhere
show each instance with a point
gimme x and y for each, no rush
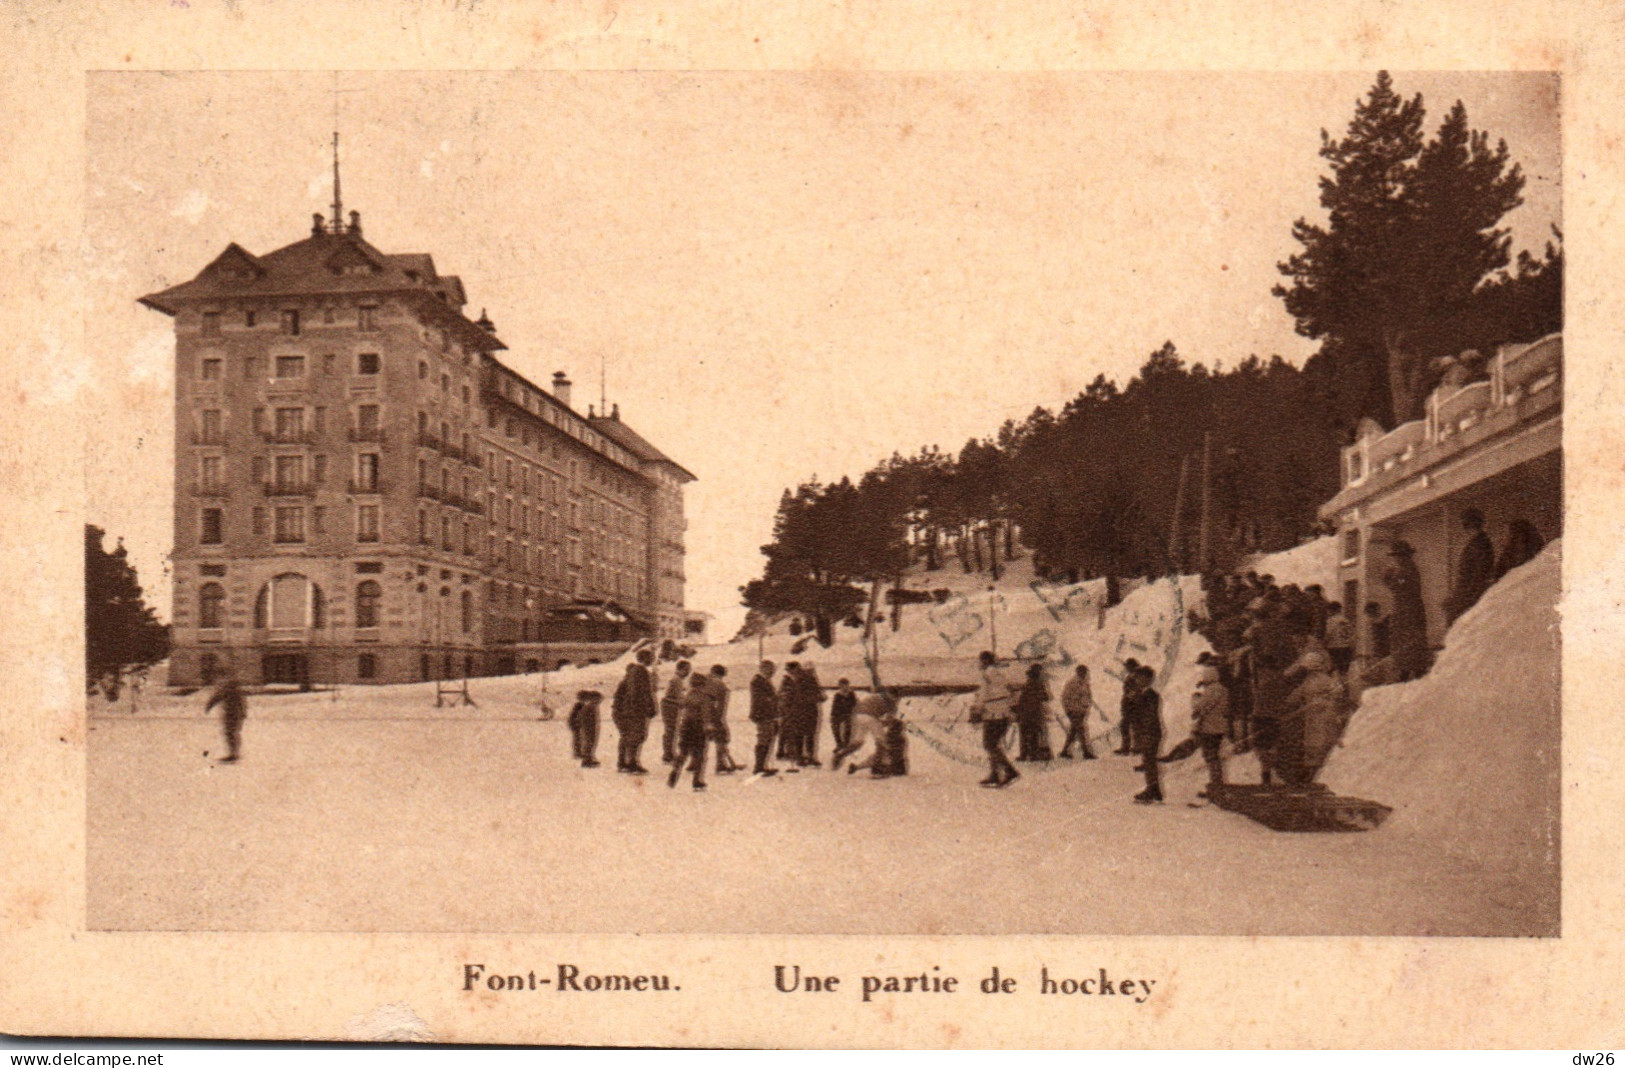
(1304, 809)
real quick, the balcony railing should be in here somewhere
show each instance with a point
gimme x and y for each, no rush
(200, 438)
(200, 489)
(375, 485)
(306, 488)
(373, 434)
(429, 491)
(289, 437)
(428, 441)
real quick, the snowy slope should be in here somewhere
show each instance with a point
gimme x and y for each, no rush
(1468, 755)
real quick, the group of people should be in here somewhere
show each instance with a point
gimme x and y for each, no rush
(694, 714)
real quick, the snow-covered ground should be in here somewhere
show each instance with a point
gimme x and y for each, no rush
(367, 808)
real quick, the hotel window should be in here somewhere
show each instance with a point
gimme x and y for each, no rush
(259, 521)
(423, 527)
(318, 520)
(211, 606)
(366, 421)
(259, 469)
(290, 474)
(423, 474)
(210, 472)
(468, 537)
(319, 426)
(366, 523)
(290, 524)
(368, 596)
(290, 321)
(290, 367)
(445, 533)
(367, 363)
(423, 424)
(366, 666)
(329, 315)
(249, 318)
(328, 360)
(319, 469)
(367, 318)
(445, 385)
(1351, 546)
(423, 369)
(468, 612)
(211, 324)
(290, 424)
(211, 369)
(366, 472)
(213, 529)
(465, 394)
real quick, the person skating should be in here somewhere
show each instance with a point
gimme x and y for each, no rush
(1076, 700)
(1144, 711)
(993, 703)
(718, 726)
(1032, 717)
(692, 729)
(764, 712)
(632, 708)
(583, 723)
(840, 714)
(233, 710)
(789, 714)
(1210, 717)
(671, 711)
(870, 714)
(1125, 724)
(812, 715)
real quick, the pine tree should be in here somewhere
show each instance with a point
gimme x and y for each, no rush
(1412, 230)
(122, 632)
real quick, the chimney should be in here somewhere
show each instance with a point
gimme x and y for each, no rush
(318, 225)
(355, 223)
(561, 388)
(615, 412)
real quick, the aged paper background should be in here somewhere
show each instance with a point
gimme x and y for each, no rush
(56, 978)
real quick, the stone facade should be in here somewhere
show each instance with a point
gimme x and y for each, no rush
(366, 493)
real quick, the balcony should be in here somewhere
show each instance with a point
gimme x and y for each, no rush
(209, 490)
(450, 451)
(306, 488)
(200, 438)
(428, 441)
(431, 492)
(376, 485)
(295, 437)
(371, 434)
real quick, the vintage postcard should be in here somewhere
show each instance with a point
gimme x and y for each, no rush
(904, 549)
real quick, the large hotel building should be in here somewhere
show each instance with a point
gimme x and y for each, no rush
(365, 492)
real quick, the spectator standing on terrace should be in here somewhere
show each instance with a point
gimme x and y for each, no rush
(1523, 544)
(1076, 700)
(1475, 569)
(1339, 638)
(1409, 619)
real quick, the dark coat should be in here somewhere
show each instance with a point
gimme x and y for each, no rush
(634, 698)
(764, 701)
(1475, 571)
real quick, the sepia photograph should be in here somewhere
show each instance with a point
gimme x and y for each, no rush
(824, 503)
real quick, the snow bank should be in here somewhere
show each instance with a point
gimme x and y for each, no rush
(1312, 563)
(1468, 754)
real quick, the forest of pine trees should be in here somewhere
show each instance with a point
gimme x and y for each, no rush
(1411, 264)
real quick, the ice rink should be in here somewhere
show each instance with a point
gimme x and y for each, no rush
(477, 823)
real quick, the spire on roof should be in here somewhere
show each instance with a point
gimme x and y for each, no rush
(338, 201)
